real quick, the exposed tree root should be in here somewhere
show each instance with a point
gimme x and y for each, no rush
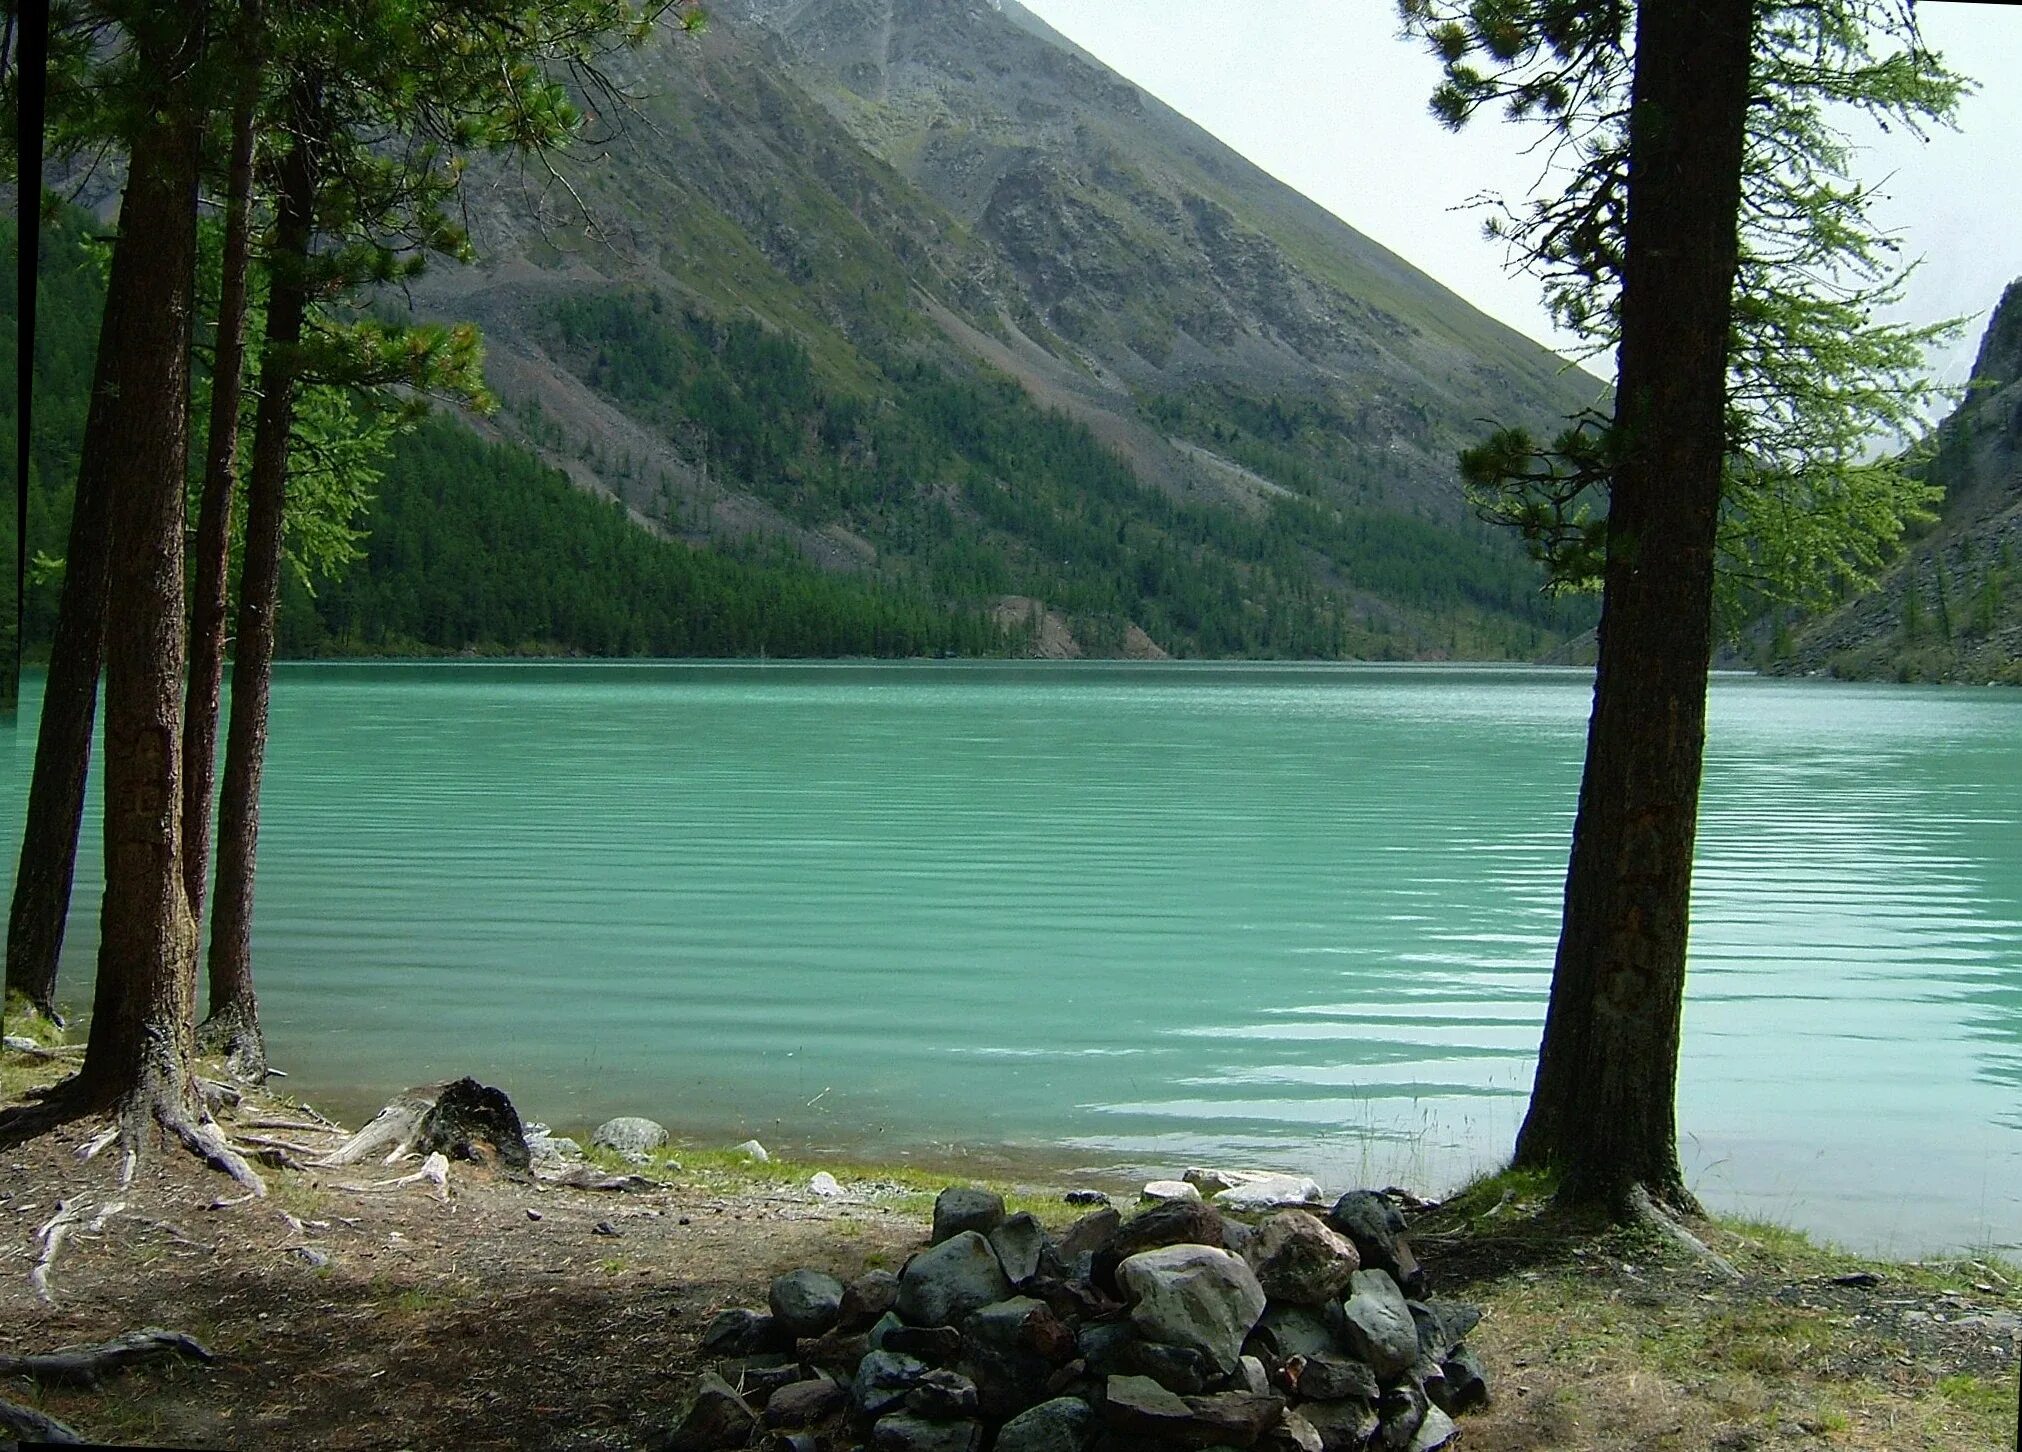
(301, 1125)
(154, 1107)
(29, 1425)
(86, 1365)
(69, 1215)
(1648, 1212)
(434, 1170)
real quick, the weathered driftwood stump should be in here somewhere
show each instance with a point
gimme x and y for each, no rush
(456, 1120)
(467, 1118)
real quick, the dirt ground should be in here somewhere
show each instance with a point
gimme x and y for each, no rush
(520, 1315)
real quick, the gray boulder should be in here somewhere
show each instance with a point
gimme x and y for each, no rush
(1377, 1228)
(1329, 1378)
(804, 1403)
(1297, 1259)
(1436, 1431)
(1295, 1434)
(836, 1352)
(883, 1378)
(1466, 1385)
(882, 1329)
(1065, 1424)
(758, 1377)
(1380, 1329)
(1284, 1332)
(1233, 1418)
(943, 1396)
(1251, 1376)
(806, 1302)
(868, 1297)
(1195, 1295)
(1175, 1222)
(941, 1285)
(717, 1418)
(744, 1332)
(629, 1136)
(1137, 1406)
(1443, 1325)
(1402, 1408)
(1116, 1349)
(935, 1345)
(1345, 1426)
(1011, 1348)
(1270, 1192)
(1019, 1242)
(963, 1207)
(905, 1432)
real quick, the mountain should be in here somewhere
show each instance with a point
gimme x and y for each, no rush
(916, 291)
(1951, 609)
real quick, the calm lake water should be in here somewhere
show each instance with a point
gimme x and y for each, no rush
(1291, 916)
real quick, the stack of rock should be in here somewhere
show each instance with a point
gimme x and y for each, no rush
(1179, 1327)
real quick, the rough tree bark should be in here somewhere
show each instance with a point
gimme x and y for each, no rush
(1603, 1111)
(48, 862)
(138, 1063)
(212, 544)
(234, 1023)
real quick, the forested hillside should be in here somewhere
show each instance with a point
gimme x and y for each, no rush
(981, 337)
(476, 546)
(480, 547)
(1951, 609)
(1162, 395)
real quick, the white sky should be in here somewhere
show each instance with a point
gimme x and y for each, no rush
(1323, 94)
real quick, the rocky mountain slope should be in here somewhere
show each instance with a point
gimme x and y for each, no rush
(915, 288)
(1951, 609)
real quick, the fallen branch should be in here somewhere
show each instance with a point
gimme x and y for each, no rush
(86, 1365)
(34, 1050)
(267, 1142)
(585, 1177)
(434, 1169)
(29, 1425)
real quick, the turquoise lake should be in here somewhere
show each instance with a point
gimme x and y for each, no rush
(1134, 917)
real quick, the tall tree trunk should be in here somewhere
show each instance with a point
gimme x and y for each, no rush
(1603, 1112)
(234, 1022)
(214, 512)
(139, 1060)
(48, 862)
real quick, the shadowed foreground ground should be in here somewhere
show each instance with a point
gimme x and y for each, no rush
(503, 1317)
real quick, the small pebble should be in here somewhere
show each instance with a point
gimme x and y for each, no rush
(533, 1214)
(605, 1227)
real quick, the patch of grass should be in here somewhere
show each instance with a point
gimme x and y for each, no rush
(24, 1022)
(907, 1189)
(20, 1073)
(1979, 1396)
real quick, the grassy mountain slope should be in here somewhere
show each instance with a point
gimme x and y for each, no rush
(1951, 609)
(476, 546)
(1116, 394)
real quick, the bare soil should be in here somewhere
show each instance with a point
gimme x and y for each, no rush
(517, 1314)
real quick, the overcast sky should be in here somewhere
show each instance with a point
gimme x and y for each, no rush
(1324, 95)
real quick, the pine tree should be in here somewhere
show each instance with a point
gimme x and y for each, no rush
(1702, 208)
